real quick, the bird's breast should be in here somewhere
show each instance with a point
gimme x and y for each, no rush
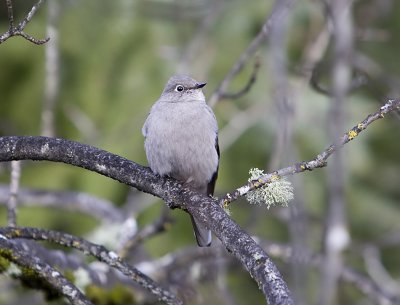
(180, 141)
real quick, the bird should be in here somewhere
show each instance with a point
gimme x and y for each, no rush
(181, 141)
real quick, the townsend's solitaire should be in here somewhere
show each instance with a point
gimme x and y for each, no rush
(181, 140)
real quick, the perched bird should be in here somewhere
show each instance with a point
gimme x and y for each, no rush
(181, 140)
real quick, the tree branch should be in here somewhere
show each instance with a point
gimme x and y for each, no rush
(100, 208)
(279, 11)
(129, 243)
(16, 254)
(19, 29)
(100, 252)
(319, 161)
(204, 208)
(13, 191)
(247, 86)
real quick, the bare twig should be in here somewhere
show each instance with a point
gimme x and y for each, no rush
(198, 43)
(52, 70)
(319, 161)
(19, 29)
(368, 287)
(100, 252)
(378, 272)
(360, 281)
(76, 201)
(184, 258)
(160, 225)
(249, 84)
(14, 189)
(356, 82)
(239, 123)
(82, 122)
(279, 11)
(10, 13)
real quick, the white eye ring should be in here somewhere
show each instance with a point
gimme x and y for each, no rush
(179, 88)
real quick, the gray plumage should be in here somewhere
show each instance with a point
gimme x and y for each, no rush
(181, 140)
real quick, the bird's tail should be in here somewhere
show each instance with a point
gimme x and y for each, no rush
(203, 235)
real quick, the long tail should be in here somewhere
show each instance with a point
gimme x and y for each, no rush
(203, 235)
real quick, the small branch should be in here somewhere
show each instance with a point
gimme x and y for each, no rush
(19, 29)
(239, 123)
(10, 14)
(279, 11)
(14, 189)
(100, 252)
(103, 209)
(357, 81)
(16, 254)
(160, 225)
(378, 272)
(319, 161)
(347, 274)
(52, 70)
(249, 84)
(30, 15)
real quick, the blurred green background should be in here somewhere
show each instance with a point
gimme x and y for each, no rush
(115, 57)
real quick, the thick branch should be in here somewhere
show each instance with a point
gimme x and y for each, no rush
(251, 255)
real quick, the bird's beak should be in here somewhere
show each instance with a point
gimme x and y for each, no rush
(200, 85)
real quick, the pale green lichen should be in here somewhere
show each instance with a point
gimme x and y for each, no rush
(276, 193)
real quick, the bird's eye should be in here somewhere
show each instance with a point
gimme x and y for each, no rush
(179, 88)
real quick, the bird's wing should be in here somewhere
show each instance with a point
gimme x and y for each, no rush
(211, 184)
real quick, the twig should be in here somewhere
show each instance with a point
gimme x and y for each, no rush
(198, 43)
(239, 123)
(279, 11)
(76, 201)
(249, 84)
(362, 282)
(100, 252)
(14, 189)
(52, 70)
(160, 225)
(10, 13)
(356, 82)
(23, 258)
(368, 287)
(19, 29)
(378, 272)
(319, 161)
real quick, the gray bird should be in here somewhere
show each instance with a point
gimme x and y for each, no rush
(181, 140)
